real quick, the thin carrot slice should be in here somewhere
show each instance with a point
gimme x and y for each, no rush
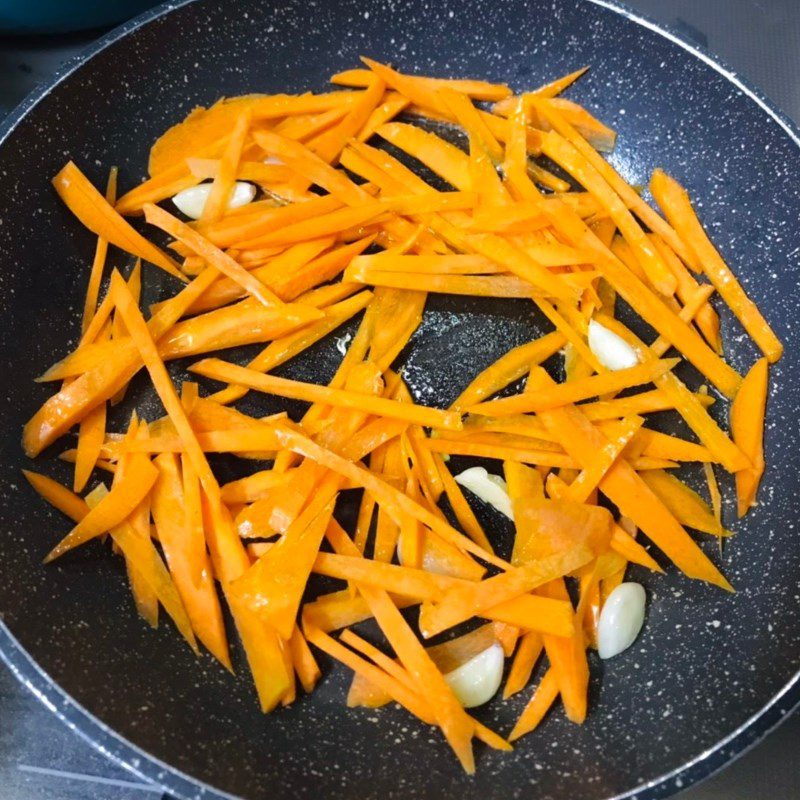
(562, 394)
(222, 186)
(477, 90)
(58, 496)
(303, 661)
(210, 254)
(676, 204)
(274, 585)
(101, 249)
(647, 304)
(747, 426)
(468, 600)
(628, 491)
(528, 651)
(113, 510)
(185, 551)
(687, 403)
(97, 214)
(271, 384)
(539, 704)
(567, 156)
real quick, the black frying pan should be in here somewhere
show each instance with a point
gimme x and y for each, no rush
(710, 674)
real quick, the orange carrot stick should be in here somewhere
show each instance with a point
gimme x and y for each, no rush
(747, 426)
(114, 509)
(271, 384)
(97, 214)
(210, 254)
(96, 274)
(678, 208)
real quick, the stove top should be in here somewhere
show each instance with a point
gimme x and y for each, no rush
(42, 759)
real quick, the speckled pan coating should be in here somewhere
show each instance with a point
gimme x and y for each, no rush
(674, 707)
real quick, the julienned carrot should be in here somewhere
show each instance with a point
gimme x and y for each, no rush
(264, 650)
(556, 87)
(140, 553)
(678, 208)
(90, 440)
(204, 168)
(464, 514)
(528, 612)
(528, 651)
(394, 501)
(582, 487)
(112, 510)
(508, 368)
(573, 391)
(477, 90)
(647, 304)
(629, 196)
(397, 690)
(250, 228)
(210, 254)
(467, 116)
(631, 495)
(706, 319)
(468, 600)
(58, 496)
(183, 549)
(246, 322)
(567, 156)
(457, 726)
(543, 697)
(470, 285)
(497, 234)
(687, 404)
(687, 506)
(101, 249)
(274, 585)
(329, 144)
(76, 399)
(99, 216)
(747, 426)
(222, 186)
(312, 393)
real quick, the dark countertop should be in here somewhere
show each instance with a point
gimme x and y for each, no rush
(41, 759)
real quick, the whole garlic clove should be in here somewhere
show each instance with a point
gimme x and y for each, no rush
(192, 201)
(489, 488)
(612, 351)
(476, 681)
(621, 619)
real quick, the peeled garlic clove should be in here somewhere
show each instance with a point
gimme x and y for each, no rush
(620, 620)
(192, 201)
(476, 681)
(489, 488)
(612, 351)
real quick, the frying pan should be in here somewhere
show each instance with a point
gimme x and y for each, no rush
(710, 674)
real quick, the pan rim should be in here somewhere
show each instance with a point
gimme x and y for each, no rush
(174, 781)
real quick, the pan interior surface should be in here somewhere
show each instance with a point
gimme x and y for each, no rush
(706, 661)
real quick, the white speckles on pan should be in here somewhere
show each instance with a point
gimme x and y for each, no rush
(75, 618)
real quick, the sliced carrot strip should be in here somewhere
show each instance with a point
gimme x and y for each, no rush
(210, 254)
(271, 384)
(114, 509)
(539, 704)
(582, 389)
(58, 496)
(676, 204)
(747, 426)
(97, 214)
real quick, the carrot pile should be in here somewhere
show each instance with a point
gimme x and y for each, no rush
(344, 227)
